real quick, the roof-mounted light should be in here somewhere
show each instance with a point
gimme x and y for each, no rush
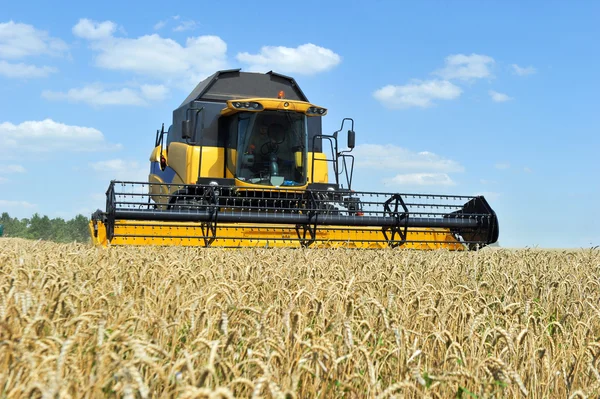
(281, 94)
(316, 111)
(249, 105)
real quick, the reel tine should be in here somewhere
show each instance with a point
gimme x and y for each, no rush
(208, 215)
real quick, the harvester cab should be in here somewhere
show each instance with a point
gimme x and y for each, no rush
(245, 163)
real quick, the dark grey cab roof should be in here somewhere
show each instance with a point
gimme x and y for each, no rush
(233, 84)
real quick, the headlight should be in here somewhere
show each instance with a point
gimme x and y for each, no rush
(316, 111)
(254, 106)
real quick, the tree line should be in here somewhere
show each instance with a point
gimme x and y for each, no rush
(42, 227)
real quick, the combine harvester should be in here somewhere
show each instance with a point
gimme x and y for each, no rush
(245, 163)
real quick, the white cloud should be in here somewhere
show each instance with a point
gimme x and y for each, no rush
(408, 168)
(93, 30)
(420, 179)
(417, 94)
(113, 165)
(97, 95)
(50, 136)
(527, 170)
(523, 71)
(160, 24)
(165, 58)
(161, 58)
(185, 25)
(502, 165)
(3, 179)
(306, 59)
(466, 67)
(18, 40)
(12, 169)
(16, 204)
(154, 92)
(21, 70)
(391, 157)
(499, 97)
(121, 169)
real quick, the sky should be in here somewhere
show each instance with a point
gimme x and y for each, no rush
(487, 98)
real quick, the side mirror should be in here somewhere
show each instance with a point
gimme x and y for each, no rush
(186, 129)
(351, 139)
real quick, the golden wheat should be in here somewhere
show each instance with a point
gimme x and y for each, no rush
(78, 322)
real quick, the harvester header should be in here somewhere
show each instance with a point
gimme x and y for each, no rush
(245, 163)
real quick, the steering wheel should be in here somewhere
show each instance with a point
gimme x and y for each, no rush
(276, 133)
(274, 139)
(272, 148)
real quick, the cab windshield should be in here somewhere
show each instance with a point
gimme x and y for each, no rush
(272, 148)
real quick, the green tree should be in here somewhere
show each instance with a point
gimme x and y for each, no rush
(79, 228)
(42, 227)
(60, 230)
(13, 227)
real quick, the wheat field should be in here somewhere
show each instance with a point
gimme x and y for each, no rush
(82, 322)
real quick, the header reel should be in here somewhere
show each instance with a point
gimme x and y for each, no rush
(230, 216)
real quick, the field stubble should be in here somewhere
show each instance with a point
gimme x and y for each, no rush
(77, 321)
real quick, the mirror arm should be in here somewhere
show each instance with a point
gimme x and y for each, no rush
(191, 131)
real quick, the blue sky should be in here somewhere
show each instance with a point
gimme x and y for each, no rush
(494, 98)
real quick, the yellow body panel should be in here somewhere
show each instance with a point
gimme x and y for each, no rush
(248, 235)
(155, 155)
(212, 163)
(185, 158)
(321, 167)
(231, 161)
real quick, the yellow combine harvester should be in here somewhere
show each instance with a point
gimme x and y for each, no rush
(245, 163)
